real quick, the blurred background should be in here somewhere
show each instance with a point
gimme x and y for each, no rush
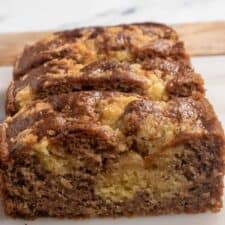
(28, 15)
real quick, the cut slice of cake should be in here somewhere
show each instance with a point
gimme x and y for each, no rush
(157, 79)
(88, 154)
(130, 42)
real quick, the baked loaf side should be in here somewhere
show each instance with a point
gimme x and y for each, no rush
(111, 154)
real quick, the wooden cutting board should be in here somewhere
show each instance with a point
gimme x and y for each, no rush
(200, 39)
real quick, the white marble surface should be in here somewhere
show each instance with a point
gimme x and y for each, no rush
(24, 15)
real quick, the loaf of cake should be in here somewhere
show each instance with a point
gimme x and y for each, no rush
(109, 121)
